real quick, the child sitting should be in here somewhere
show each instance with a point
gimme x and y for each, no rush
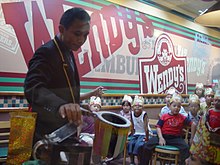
(194, 107)
(88, 131)
(205, 148)
(140, 132)
(169, 130)
(126, 107)
(169, 95)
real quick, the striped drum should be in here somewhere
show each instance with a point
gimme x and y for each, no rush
(111, 132)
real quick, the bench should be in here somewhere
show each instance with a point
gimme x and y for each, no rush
(4, 139)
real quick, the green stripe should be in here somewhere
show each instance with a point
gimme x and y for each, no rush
(191, 88)
(87, 83)
(214, 43)
(173, 30)
(170, 23)
(11, 89)
(103, 2)
(15, 80)
(183, 28)
(79, 2)
(113, 91)
(21, 89)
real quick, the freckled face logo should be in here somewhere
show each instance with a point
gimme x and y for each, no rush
(164, 69)
(164, 53)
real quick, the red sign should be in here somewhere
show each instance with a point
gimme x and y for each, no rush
(163, 70)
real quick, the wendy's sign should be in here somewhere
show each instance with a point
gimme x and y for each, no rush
(164, 69)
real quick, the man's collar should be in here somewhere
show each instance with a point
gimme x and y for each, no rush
(62, 45)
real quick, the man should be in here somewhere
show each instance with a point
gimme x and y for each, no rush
(52, 85)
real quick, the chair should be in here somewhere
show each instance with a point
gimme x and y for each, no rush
(125, 150)
(4, 140)
(169, 153)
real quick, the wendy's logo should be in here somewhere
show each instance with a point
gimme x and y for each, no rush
(164, 51)
(163, 69)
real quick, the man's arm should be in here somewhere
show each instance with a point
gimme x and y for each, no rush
(96, 92)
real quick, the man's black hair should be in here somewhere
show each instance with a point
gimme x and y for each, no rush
(72, 14)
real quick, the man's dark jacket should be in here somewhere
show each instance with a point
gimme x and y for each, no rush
(46, 87)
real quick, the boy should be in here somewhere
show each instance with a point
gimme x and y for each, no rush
(169, 95)
(140, 131)
(169, 130)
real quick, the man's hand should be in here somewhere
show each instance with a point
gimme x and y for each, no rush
(99, 91)
(72, 112)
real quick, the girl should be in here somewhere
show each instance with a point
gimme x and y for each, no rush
(194, 107)
(88, 131)
(126, 107)
(199, 91)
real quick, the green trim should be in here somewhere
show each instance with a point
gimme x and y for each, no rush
(7, 79)
(11, 89)
(191, 88)
(182, 28)
(103, 2)
(87, 83)
(79, 2)
(170, 23)
(91, 5)
(113, 91)
(173, 30)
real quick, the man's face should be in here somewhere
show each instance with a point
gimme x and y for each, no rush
(75, 36)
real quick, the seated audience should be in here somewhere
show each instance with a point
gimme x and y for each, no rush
(205, 148)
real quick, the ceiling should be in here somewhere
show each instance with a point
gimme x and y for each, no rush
(187, 8)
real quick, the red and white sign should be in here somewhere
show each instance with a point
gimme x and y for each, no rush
(163, 70)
